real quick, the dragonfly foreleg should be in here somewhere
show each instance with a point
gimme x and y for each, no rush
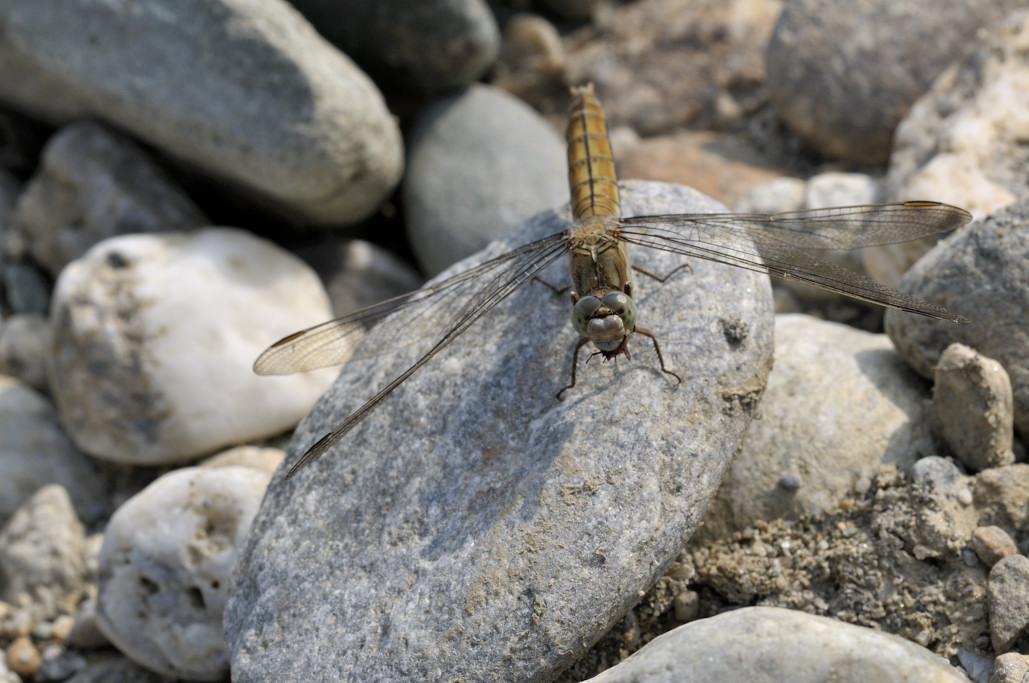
(556, 290)
(657, 347)
(667, 275)
(575, 361)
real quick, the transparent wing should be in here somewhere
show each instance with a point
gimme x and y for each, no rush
(778, 244)
(455, 303)
(335, 342)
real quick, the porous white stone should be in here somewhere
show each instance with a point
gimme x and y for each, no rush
(165, 564)
(155, 337)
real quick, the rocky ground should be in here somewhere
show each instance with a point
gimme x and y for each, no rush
(829, 494)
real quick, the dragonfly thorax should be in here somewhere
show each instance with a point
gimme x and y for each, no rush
(606, 322)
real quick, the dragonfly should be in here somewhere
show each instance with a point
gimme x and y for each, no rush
(603, 310)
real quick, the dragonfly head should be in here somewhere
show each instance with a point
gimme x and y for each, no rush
(606, 322)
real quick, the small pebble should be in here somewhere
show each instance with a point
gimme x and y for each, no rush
(61, 627)
(1011, 667)
(60, 664)
(22, 657)
(991, 544)
(687, 605)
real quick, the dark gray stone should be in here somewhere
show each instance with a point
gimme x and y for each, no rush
(844, 76)
(476, 528)
(93, 184)
(981, 272)
(479, 163)
(429, 44)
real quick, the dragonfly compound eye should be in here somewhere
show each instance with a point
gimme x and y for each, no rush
(582, 312)
(623, 306)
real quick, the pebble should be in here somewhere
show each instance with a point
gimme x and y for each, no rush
(774, 644)
(60, 664)
(1008, 593)
(972, 408)
(431, 45)
(964, 273)
(26, 287)
(1010, 667)
(992, 544)
(42, 556)
(91, 184)
(832, 76)
(531, 63)
(145, 326)
(961, 141)
(839, 403)
(479, 163)
(246, 93)
(525, 548)
(24, 347)
(22, 657)
(1000, 495)
(166, 566)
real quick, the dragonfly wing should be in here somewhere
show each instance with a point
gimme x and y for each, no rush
(777, 246)
(460, 300)
(838, 227)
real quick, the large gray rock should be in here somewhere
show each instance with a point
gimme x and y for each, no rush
(843, 77)
(244, 91)
(429, 45)
(480, 163)
(768, 644)
(475, 527)
(981, 272)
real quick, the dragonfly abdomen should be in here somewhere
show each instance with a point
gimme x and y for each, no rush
(591, 165)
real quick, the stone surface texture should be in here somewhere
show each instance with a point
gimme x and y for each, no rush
(501, 531)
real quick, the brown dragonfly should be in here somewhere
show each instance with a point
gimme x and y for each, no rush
(603, 310)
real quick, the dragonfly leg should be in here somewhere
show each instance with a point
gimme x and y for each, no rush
(657, 347)
(662, 278)
(556, 290)
(575, 361)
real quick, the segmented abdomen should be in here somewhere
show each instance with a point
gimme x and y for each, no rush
(591, 166)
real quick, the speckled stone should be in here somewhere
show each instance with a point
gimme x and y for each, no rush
(475, 527)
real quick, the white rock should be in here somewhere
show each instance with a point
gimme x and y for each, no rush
(35, 451)
(43, 555)
(839, 403)
(773, 644)
(262, 459)
(155, 336)
(165, 565)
